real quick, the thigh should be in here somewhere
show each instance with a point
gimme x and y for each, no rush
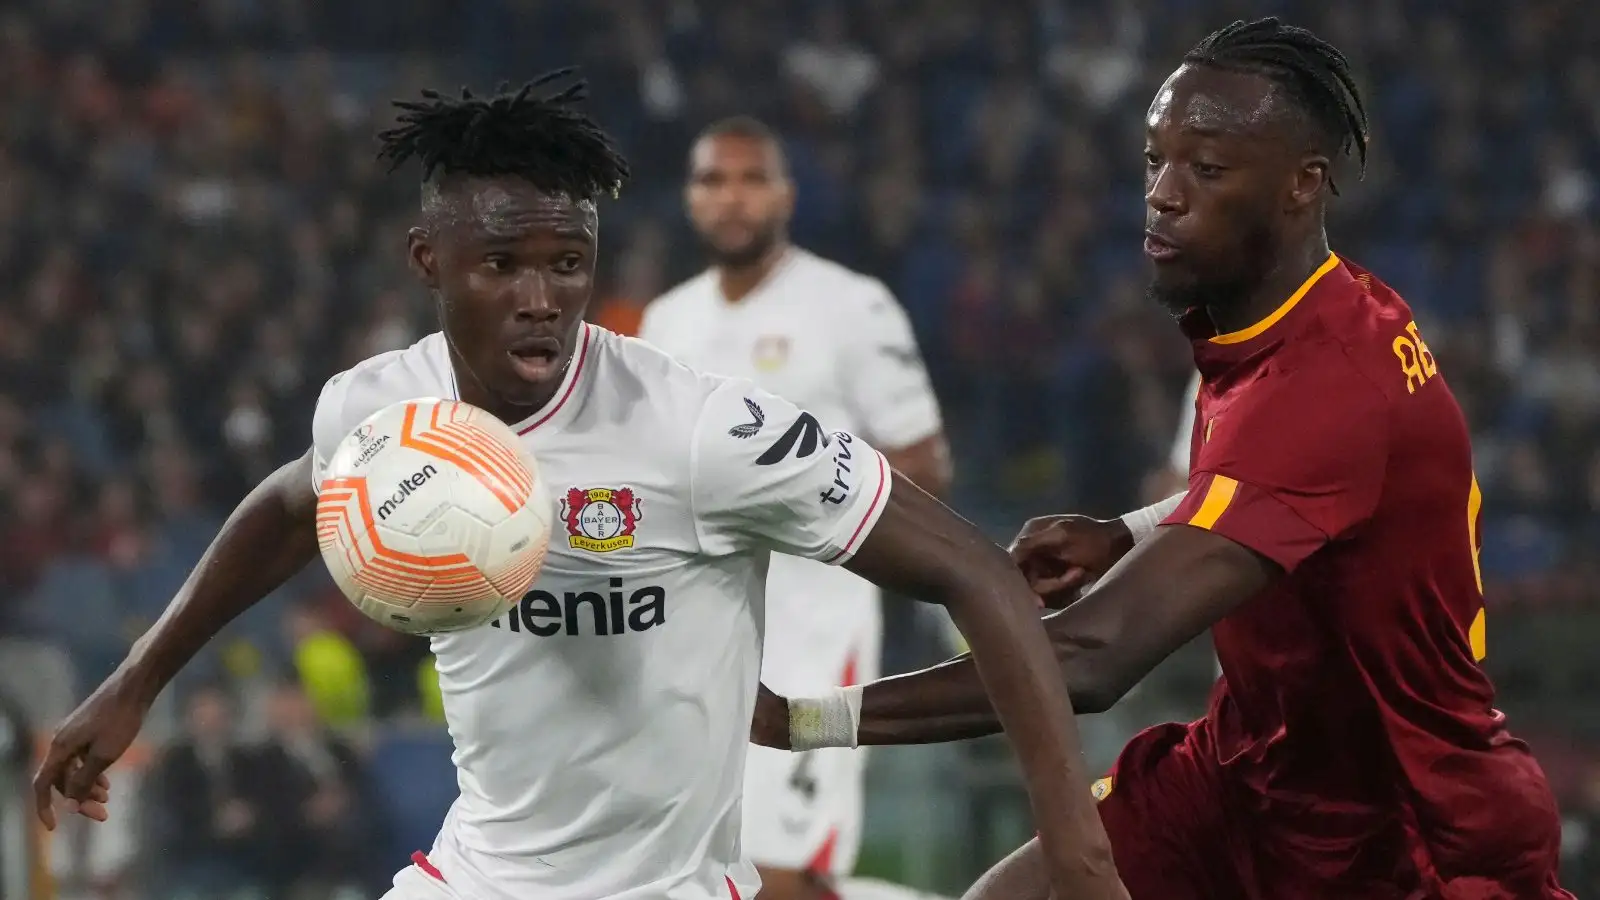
(802, 810)
(1166, 813)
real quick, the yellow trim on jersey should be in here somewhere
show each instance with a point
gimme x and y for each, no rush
(1474, 503)
(1477, 637)
(1101, 789)
(1238, 337)
(1218, 495)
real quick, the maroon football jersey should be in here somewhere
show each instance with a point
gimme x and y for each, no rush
(1352, 701)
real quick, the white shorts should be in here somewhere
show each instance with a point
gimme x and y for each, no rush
(420, 881)
(804, 810)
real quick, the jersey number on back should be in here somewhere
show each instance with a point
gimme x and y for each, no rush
(802, 780)
(1475, 632)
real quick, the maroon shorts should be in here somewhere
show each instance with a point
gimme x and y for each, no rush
(1181, 830)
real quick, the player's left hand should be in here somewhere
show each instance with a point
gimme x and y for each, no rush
(770, 726)
(1060, 555)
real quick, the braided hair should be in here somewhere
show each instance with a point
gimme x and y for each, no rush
(542, 138)
(1312, 71)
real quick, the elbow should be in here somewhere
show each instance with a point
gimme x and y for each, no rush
(1094, 678)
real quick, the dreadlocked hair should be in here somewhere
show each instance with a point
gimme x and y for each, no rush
(544, 139)
(1312, 70)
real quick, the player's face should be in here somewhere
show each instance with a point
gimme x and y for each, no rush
(1215, 179)
(513, 269)
(739, 197)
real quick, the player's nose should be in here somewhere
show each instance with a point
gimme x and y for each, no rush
(533, 299)
(1164, 191)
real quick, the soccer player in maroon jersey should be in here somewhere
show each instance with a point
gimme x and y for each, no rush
(1329, 540)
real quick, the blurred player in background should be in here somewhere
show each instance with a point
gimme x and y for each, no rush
(1174, 476)
(600, 744)
(1329, 539)
(838, 344)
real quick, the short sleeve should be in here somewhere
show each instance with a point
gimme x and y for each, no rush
(1291, 466)
(886, 383)
(765, 475)
(329, 424)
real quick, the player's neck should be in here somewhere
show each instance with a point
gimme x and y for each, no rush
(470, 390)
(736, 282)
(1278, 286)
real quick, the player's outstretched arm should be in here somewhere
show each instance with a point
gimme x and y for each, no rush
(767, 476)
(269, 537)
(1166, 591)
(921, 548)
(1297, 467)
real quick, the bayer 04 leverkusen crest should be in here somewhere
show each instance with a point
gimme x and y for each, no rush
(600, 520)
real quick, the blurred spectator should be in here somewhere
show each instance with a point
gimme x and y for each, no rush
(206, 802)
(320, 834)
(330, 668)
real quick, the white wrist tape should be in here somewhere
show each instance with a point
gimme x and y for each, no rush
(831, 720)
(1142, 522)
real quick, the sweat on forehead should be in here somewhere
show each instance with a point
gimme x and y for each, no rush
(503, 205)
(1208, 100)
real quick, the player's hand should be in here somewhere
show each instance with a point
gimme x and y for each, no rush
(770, 726)
(1060, 555)
(93, 737)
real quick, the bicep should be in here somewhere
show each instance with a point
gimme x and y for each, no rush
(921, 548)
(297, 483)
(926, 463)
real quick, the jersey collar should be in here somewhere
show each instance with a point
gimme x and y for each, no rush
(791, 255)
(1216, 352)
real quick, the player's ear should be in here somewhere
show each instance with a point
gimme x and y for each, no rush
(419, 253)
(1311, 179)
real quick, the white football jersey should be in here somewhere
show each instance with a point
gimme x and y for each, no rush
(837, 343)
(600, 728)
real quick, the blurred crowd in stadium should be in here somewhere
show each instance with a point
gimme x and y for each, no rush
(194, 234)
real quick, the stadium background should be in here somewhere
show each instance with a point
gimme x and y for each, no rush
(194, 234)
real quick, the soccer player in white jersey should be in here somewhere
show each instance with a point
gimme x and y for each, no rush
(836, 343)
(600, 728)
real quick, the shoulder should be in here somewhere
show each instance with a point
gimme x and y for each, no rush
(657, 397)
(679, 300)
(420, 370)
(844, 290)
(1365, 333)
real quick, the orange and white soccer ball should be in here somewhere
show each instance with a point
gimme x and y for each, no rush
(432, 518)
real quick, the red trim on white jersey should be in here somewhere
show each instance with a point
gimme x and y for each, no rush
(572, 383)
(421, 861)
(884, 475)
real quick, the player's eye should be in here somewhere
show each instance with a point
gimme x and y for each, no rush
(498, 263)
(1207, 170)
(568, 264)
(1151, 161)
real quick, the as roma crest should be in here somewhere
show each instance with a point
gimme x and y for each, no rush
(600, 520)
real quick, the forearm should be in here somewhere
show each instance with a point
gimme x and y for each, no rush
(268, 538)
(1017, 666)
(947, 702)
